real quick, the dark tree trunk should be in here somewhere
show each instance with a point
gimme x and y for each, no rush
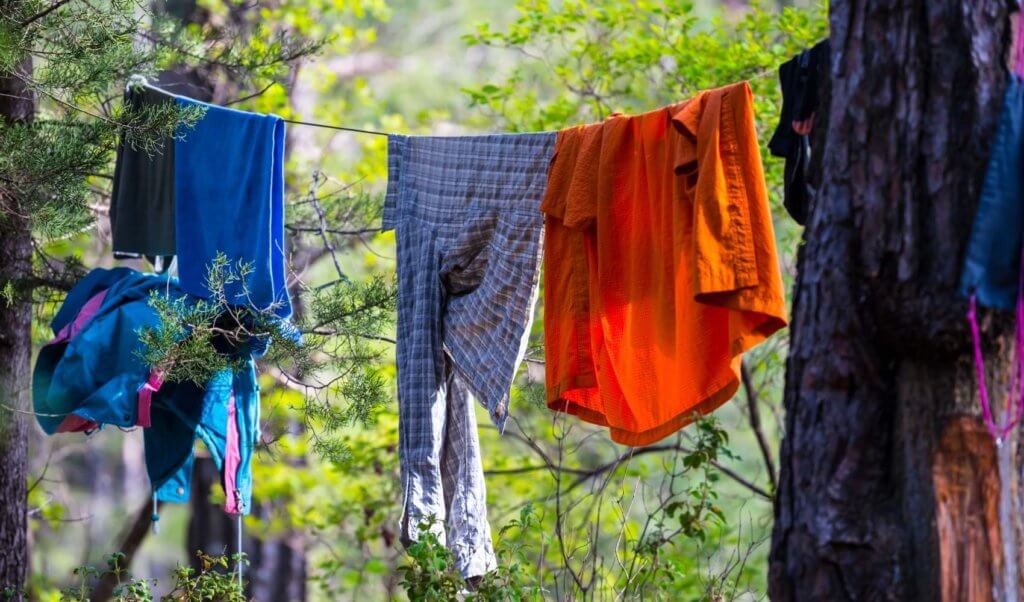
(277, 569)
(210, 530)
(16, 104)
(891, 488)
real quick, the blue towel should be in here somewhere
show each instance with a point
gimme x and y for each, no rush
(992, 264)
(229, 195)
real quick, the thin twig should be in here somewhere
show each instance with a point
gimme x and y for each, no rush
(754, 415)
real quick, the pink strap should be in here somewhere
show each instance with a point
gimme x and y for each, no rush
(1018, 55)
(1015, 397)
(145, 398)
(232, 460)
(86, 313)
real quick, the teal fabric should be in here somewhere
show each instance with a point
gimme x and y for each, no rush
(97, 373)
(187, 413)
(992, 269)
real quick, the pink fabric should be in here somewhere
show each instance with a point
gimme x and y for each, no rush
(1018, 62)
(232, 458)
(145, 398)
(84, 315)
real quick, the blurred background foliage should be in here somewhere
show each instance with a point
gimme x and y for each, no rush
(576, 516)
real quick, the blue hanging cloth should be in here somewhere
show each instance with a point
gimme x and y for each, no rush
(229, 196)
(992, 264)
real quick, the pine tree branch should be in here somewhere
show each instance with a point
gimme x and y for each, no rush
(43, 13)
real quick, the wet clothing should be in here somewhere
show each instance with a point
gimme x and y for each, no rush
(218, 187)
(91, 375)
(801, 79)
(142, 200)
(992, 265)
(229, 195)
(660, 264)
(465, 211)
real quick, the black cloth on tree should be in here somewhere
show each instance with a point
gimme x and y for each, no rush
(801, 79)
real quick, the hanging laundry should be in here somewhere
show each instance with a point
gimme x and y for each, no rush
(660, 264)
(992, 263)
(224, 415)
(229, 195)
(801, 79)
(216, 188)
(468, 227)
(142, 200)
(993, 272)
(91, 374)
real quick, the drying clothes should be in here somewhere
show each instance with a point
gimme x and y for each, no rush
(225, 416)
(142, 200)
(660, 264)
(801, 78)
(216, 188)
(992, 265)
(91, 375)
(468, 229)
(229, 196)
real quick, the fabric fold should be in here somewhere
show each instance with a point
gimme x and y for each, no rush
(660, 268)
(466, 216)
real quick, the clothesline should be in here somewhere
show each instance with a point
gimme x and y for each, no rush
(336, 127)
(142, 81)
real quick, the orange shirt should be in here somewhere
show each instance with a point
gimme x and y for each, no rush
(660, 264)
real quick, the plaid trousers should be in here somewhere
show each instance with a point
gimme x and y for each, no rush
(466, 214)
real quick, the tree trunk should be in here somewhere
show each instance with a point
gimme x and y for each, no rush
(891, 487)
(16, 104)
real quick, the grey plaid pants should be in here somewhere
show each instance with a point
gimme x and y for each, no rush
(466, 213)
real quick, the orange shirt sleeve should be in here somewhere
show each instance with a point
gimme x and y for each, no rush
(719, 164)
(572, 187)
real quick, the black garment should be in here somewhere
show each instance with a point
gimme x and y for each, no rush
(801, 79)
(142, 202)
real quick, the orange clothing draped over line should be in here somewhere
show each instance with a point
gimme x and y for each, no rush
(660, 264)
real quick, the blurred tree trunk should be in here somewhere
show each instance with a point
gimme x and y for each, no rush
(891, 487)
(16, 104)
(210, 529)
(277, 569)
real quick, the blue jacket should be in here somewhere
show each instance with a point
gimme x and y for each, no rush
(91, 374)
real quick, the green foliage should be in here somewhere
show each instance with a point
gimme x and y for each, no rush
(214, 582)
(586, 60)
(430, 573)
(588, 518)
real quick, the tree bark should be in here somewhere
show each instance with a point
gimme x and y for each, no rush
(16, 105)
(890, 487)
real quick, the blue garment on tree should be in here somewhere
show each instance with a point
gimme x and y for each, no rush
(91, 374)
(229, 196)
(188, 412)
(992, 263)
